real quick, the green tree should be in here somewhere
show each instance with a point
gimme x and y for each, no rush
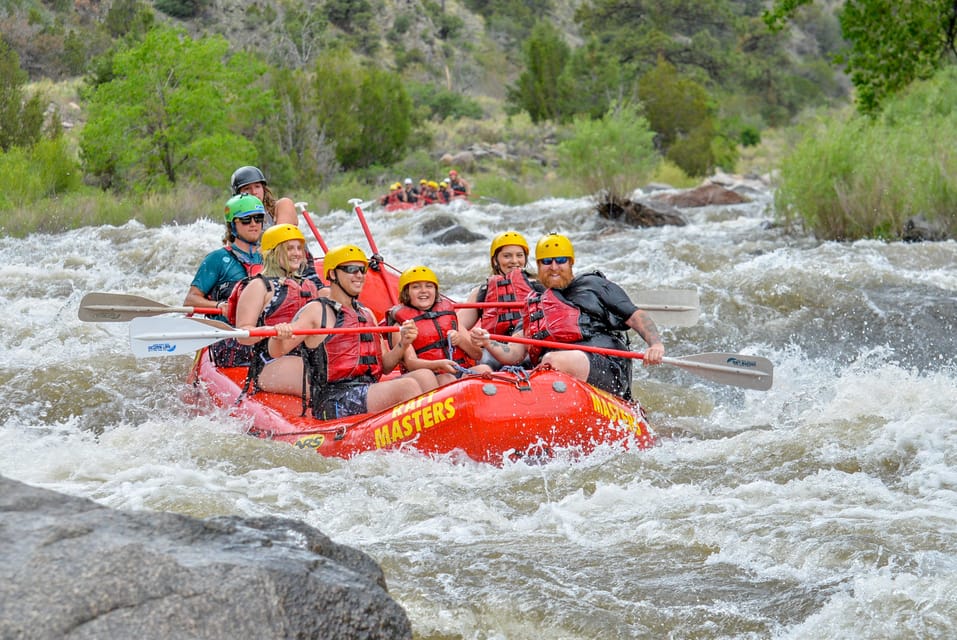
(538, 90)
(365, 113)
(594, 80)
(21, 118)
(171, 111)
(892, 42)
(682, 113)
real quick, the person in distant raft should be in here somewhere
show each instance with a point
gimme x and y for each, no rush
(588, 310)
(459, 185)
(439, 345)
(276, 295)
(344, 370)
(221, 269)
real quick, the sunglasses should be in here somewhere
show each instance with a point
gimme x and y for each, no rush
(548, 261)
(257, 218)
(353, 269)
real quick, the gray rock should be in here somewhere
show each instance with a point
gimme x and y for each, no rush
(920, 229)
(641, 213)
(445, 230)
(74, 569)
(708, 194)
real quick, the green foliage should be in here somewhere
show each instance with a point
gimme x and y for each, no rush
(611, 155)
(21, 118)
(182, 9)
(46, 169)
(507, 16)
(681, 112)
(170, 112)
(352, 16)
(128, 17)
(593, 80)
(441, 103)
(367, 113)
(538, 90)
(892, 42)
(861, 177)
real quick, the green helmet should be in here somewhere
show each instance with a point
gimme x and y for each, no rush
(243, 205)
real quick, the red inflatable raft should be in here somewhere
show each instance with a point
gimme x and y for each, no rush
(489, 418)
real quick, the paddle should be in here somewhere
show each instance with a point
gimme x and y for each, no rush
(376, 263)
(119, 307)
(748, 372)
(153, 337)
(674, 307)
(301, 208)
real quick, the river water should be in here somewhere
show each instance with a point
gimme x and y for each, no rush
(823, 508)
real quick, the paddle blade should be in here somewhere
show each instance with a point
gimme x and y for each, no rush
(670, 307)
(158, 337)
(739, 370)
(116, 307)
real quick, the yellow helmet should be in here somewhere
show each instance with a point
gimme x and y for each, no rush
(507, 238)
(554, 246)
(277, 234)
(417, 274)
(395, 185)
(433, 184)
(340, 255)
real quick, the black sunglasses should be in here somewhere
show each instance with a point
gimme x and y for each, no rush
(353, 268)
(548, 261)
(257, 218)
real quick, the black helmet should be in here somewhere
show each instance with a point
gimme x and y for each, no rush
(246, 175)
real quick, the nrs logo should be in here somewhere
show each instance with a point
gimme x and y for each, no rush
(737, 362)
(161, 347)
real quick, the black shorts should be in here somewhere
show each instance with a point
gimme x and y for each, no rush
(611, 374)
(229, 353)
(338, 401)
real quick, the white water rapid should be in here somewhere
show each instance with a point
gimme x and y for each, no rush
(823, 508)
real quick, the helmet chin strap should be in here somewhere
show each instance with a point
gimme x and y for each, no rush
(342, 289)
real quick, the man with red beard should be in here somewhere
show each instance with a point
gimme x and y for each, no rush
(588, 310)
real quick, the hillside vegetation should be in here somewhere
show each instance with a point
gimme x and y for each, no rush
(150, 103)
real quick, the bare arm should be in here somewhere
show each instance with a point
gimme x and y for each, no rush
(393, 355)
(251, 303)
(646, 328)
(504, 352)
(196, 298)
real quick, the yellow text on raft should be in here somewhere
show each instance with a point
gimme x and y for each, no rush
(410, 418)
(615, 413)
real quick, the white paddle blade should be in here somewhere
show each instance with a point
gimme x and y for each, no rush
(116, 307)
(749, 372)
(157, 337)
(670, 307)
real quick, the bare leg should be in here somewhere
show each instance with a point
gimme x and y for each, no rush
(383, 395)
(282, 375)
(574, 363)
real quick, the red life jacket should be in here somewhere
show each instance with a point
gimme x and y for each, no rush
(346, 356)
(288, 296)
(225, 290)
(504, 288)
(434, 326)
(549, 316)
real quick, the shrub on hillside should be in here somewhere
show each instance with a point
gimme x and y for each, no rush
(610, 156)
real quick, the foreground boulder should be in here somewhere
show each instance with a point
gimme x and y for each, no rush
(71, 568)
